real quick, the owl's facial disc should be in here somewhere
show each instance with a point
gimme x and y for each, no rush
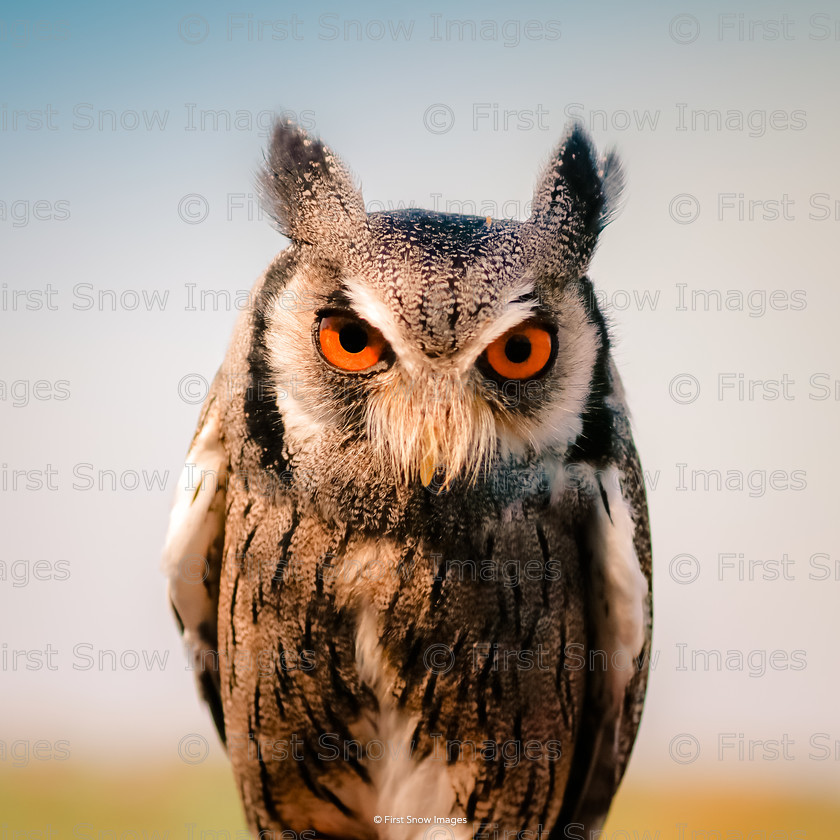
(352, 367)
(426, 415)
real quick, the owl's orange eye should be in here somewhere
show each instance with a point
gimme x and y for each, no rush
(522, 352)
(349, 343)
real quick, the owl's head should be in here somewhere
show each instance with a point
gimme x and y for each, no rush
(437, 342)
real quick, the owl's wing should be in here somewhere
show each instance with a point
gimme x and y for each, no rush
(618, 550)
(192, 556)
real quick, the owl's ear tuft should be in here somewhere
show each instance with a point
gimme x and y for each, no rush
(576, 196)
(612, 186)
(308, 191)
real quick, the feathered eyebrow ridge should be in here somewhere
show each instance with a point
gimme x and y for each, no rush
(339, 298)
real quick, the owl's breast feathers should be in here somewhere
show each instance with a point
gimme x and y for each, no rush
(450, 673)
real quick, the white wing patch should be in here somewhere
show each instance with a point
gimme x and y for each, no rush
(618, 588)
(196, 525)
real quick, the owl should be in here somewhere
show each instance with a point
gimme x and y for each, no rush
(409, 552)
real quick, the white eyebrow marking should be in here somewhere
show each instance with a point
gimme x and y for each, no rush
(373, 309)
(516, 311)
(368, 305)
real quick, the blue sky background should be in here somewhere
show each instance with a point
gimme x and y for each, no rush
(152, 209)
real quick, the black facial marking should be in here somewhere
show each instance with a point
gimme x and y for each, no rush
(595, 441)
(265, 425)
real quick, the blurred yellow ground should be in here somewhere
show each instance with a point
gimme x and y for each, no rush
(721, 813)
(200, 803)
(121, 803)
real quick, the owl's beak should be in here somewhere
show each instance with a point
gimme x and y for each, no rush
(428, 465)
(447, 438)
(434, 433)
